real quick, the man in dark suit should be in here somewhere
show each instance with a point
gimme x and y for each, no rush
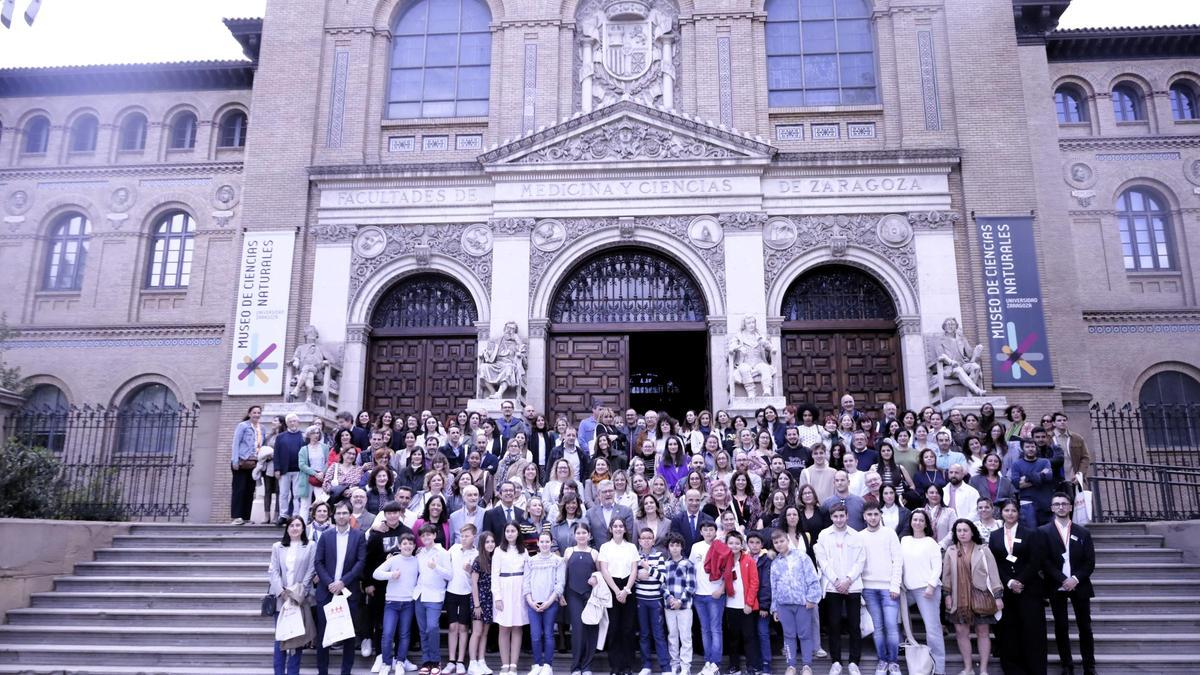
(604, 512)
(1070, 562)
(688, 521)
(1020, 554)
(504, 512)
(340, 560)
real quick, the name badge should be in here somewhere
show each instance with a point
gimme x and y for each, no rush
(1011, 558)
(1074, 538)
(1016, 540)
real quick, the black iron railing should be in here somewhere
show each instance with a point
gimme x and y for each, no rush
(1148, 464)
(117, 463)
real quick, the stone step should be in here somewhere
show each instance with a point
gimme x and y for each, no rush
(1116, 624)
(1117, 528)
(195, 542)
(165, 584)
(1130, 540)
(1121, 587)
(90, 615)
(1147, 571)
(183, 553)
(1156, 605)
(1139, 555)
(140, 635)
(175, 568)
(206, 529)
(153, 599)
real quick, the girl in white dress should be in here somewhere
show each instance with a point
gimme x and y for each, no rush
(508, 567)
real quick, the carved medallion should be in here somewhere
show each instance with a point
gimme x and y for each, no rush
(1080, 175)
(225, 197)
(705, 232)
(779, 234)
(18, 202)
(477, 240)
(894, 230)
(1191, 170)
(549, 235)
(122, 199)
(370, 241)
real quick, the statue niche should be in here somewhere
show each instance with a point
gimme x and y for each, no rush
(626, 48)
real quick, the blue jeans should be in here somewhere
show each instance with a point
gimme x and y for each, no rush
(541, 633)
(292, 657)
(427, 623)
(397, 615)
(711, 612)
(884, 613)
(764, 640)
(650, 623)
(797, 623)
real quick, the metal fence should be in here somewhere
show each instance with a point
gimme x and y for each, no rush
(1149, 462)
(118, 462)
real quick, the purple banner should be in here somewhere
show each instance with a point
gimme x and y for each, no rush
(1016, 325)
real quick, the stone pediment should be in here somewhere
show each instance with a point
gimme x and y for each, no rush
(629, 132)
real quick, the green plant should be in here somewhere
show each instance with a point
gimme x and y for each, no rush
(29, 481)
(10, 378)
(96, 498)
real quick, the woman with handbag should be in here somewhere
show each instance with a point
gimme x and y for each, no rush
(314, 457)
(343, 474)
(291, 573)
(922, 583)
(973, 592)
(247, 439)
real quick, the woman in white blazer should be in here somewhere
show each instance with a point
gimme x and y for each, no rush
(291, 573)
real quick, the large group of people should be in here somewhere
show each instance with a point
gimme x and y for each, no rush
(615, 534)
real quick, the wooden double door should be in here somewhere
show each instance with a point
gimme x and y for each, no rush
(408, 374)
(820, 366)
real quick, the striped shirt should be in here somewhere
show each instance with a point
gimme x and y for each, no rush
(680, 583)
(650, 588)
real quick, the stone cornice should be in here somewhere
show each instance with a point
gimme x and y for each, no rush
(1140, 316)
(374, 171)
(1128, 142)
(111, 171)
(119, 332)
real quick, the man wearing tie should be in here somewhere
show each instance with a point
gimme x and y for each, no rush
(504, 512)
(687, 522)
(341, 556)
(1020, 554)
(1068, 569)
(602, 514)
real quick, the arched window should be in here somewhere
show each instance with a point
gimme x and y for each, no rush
(1145, 230)
(1127, 103)
(1170, 409)
(148, 421)
(171, 251)
(183, 131)
(441, 60)
(233, 130)
(820, 52)
(83, 133)
(37, 135)
(133, 132)
(1069, 102)
(1183, 101)
(66, 253)
(42, 421)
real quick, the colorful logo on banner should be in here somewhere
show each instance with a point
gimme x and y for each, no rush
(1016, 323)
(256, 367)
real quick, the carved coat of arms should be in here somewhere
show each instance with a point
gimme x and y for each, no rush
(627, 40)
(627, 48)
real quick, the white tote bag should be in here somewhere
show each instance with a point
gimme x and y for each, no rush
(1082, 513)
(339, 625)
(290, 623)
(916, 655)
(866, 625)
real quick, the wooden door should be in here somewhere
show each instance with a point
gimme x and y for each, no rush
(820, 366)
(410, 374)
(583, 367)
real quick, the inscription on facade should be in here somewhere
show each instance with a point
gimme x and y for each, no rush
(628, 188)
(855, 185)
(403, 197)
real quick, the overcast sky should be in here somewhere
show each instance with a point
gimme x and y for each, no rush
(74, 32)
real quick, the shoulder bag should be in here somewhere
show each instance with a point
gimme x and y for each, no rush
(983, 603)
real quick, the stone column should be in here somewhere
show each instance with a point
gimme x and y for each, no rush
(205, 462)
(937, 268)
(719, 367)
(354, 367)
(774, 330)
(536, 371)
(330, 300)
(668, 72)
(510, 290)
(912, 357)
(585, 86)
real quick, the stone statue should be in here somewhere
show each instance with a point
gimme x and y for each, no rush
(750, 361)
(502, 365)
(960, 361)
(310, 369)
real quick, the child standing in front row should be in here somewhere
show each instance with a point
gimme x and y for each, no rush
(481, 603)
(741, 607)
(434, 574)
(458, 597)
(678, 591)
(400, 571)
(795, 592)
(542, 585)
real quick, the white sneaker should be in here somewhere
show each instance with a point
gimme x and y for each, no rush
(881, 668)
(459, 668)
(535, 670)
(853, 669)
(408, 666)
(237, 521)
(645, 671)
(821, 653)
(547, 669)
(375, 667)
(366, 650)
(483, 668)
(893, 669)
(835, 669)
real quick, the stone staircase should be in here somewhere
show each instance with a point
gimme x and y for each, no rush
(184, 599)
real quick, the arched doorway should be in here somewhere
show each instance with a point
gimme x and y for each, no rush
(422, 349)
(839, 337)
(627, 327)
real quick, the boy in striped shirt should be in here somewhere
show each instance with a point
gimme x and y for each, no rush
(648, 588)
